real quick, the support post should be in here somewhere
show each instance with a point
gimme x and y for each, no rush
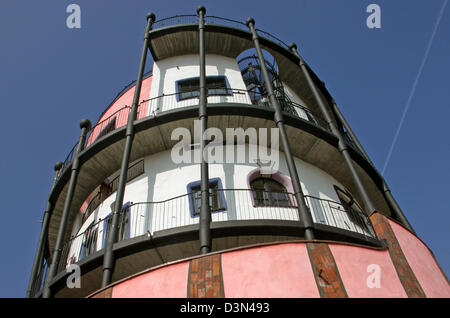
(205, 209)
(85, 126)
(303, 210)
(109, 259)
(342, 145)
(395, 208)
(39, 256)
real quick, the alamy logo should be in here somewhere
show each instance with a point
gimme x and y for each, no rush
(73, 21)
(374, 19)
(73, 280)
(234, 149)
(374, 279)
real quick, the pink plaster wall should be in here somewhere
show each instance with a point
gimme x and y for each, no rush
(272, 271)
(353, 265)
(121, 113)
(117, 109)
(422, 262)
(166, 282)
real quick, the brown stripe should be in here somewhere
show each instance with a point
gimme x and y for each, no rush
(106, 293)
(205, 278)
(325, 270)
(406, 275)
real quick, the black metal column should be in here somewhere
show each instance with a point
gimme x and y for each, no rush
(342, 145)
(386, 191)
(205, 209)
(38, 258)
(303, 210)
(109, 259)
(85, 126)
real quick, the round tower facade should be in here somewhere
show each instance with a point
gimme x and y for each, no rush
(226, 171)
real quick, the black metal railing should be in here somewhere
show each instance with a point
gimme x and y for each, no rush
(167, 102)
(174, 20)
(214, 20)
(235, 204)
(337, 215)
(39, 281)
(210, 19)
(306, 114)
(134, 170)
(349, 140)
(90, 240)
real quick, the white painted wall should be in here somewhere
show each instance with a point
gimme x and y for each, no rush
(296, 99)
(168, 71)
(164, 184)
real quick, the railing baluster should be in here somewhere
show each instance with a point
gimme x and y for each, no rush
(175, 212)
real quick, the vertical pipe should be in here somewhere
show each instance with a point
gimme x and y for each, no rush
(85, 126)
(386, 191)
(38, 258)
(108, 259)
(342, 145)
(303, 210)
(205, 209)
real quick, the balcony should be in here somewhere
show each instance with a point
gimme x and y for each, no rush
(171, 102)
(151, 218)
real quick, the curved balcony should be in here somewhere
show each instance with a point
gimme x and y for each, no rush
(148, 220)
(170, 102)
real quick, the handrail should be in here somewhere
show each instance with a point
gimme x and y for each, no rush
(166, 21)
(123, 90)
(171, 101)
(139, 218)
(210, 19)
(332, 213)
(97, 199)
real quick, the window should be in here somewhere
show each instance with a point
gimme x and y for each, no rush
(268, 192)
(89, 244)
(216, 196)
(354, 211)
(347, 200)
(110, 126)
(190, 88)
(124, 225)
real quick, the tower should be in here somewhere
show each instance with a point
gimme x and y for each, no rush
(227, 171)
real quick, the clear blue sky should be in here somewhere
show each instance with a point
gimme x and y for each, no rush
(52, 76)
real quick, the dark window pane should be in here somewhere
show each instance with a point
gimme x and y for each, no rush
(190, 88)
(110, 126)
(268, 192)
(215, 199)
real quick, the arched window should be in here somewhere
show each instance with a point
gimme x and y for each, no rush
(268, 192)
(353, 209)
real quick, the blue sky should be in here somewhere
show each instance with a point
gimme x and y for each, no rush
(52, 76)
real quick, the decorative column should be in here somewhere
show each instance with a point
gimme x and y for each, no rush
(109, 259)
(38, 258)
(386, 191)
(205, 209)
(342, 145)
(85, 126)
(303, 210)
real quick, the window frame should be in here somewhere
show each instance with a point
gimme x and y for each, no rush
(354, 211)
(277, 176)
(179, 92)
(109, 127)
(271, 200)
(220, 195)
(108, 222)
